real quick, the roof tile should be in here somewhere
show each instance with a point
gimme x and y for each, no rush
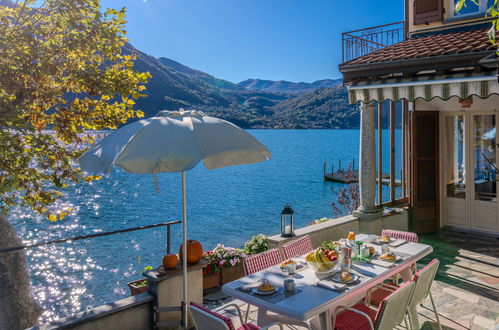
(433, 45)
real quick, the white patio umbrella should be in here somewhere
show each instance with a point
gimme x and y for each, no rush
(174, 141)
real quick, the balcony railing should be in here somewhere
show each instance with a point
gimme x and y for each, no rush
(364, 41)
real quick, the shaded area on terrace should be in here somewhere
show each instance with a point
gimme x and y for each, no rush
(466, 288)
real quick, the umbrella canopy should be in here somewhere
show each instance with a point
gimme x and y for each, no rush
(174, 141)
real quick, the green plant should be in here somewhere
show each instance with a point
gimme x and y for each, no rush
(144, 281)
(332, 245)
(492, 11)
(321, 220)
(212, 268)
(228, 256)
(257, 244)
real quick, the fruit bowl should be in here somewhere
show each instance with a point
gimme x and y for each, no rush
(319, 262)
(321, 267)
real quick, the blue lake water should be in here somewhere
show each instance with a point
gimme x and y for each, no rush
(226, 206)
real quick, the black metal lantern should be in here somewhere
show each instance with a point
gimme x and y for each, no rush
(287, 221)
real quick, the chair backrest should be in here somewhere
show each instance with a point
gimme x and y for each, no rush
(298, 247)
(408, 236)
(205, 319)
(392, 309)
(424, 279)
(260, 261)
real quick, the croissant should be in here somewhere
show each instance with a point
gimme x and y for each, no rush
(388, 256)
(266, 287)
(346, 277)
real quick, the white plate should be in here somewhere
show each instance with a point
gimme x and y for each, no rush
(378, 257)
(263, 293)
(379, 241)
(336, 278)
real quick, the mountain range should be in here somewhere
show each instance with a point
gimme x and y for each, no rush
(253, 103)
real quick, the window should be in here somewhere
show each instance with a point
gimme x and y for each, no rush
(484, 157)
(454, 162)
(471, 8)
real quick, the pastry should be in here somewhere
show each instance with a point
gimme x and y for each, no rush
(287, 262)
(388, 256)
(266, 287)
(385, 238)
(346, 277)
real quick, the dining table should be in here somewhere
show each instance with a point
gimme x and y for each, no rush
(312, 304)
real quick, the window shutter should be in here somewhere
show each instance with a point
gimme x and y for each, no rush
(427, 11)
(424, 200)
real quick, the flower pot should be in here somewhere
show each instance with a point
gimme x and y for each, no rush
(232, 273)
(135, 288)
(211, 281)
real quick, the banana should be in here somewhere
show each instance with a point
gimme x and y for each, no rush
(323, 262)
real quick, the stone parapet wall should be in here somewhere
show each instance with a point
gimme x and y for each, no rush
(339, 227)
(125, 314)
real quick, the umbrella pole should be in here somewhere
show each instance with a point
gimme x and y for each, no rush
(184, 259)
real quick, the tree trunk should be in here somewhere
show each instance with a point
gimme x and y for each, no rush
(18, 308)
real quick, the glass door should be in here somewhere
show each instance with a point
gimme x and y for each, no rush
(454, 175)
(483, 144)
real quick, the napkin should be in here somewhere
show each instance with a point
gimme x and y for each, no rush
(398, 242)
(248, 287)
(382, 263)
(328, 284)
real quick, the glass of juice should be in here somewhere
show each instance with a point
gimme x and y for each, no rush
(351, 235)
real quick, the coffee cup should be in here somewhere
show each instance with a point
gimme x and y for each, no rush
(289, 284)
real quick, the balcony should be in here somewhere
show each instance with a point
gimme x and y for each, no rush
(358, 43)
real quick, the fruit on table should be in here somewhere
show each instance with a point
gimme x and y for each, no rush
(194, 251)
(319, 257)
(332, 254)
(170, 261)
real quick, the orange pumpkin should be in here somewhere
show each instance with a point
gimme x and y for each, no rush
(170, 261)
(194, 251)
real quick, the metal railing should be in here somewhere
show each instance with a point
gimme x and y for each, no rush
(364, 41)
(114, 232)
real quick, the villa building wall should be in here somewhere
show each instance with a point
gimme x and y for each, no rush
(448, 16)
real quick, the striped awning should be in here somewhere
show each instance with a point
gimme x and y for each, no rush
(426, 88)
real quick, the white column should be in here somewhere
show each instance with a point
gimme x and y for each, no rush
(367, 161)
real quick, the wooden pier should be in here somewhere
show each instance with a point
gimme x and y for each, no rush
(351, 175)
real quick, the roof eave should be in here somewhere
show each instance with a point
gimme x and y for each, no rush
(442, 62)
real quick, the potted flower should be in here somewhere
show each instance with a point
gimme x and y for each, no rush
(257, 244)
(230, 262)
(211, 273)
(139, 286)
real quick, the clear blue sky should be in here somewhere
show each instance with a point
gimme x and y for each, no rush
(296, 40)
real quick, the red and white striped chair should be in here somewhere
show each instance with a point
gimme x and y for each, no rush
(390, 314)
(408, 236)
(423, 279)
(407, 273)
(298, 247)
(260, 261)
(205, 319)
